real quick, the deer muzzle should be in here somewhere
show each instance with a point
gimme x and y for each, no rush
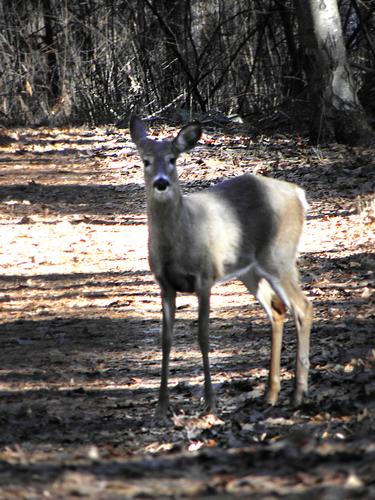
(161, 184)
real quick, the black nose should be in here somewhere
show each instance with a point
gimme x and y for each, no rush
(161, 184)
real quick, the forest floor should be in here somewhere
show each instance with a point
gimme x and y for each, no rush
(80, 322)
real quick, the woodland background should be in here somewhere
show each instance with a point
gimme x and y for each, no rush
(96, 61)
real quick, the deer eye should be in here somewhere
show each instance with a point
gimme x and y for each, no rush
(146, 163)
(172, 161)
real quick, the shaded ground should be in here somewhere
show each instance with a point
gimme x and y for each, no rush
(79, 331)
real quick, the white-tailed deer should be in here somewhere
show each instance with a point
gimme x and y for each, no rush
(247, 227)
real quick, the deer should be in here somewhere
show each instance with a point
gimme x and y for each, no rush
(246, 228)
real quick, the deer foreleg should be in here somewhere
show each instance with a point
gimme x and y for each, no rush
(169, 308)
(203, 338)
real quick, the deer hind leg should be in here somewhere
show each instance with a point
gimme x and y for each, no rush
(276, 296)
(302, 312)
(276, 311)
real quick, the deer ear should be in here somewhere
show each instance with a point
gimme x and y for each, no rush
(138, 130)
(188, 137)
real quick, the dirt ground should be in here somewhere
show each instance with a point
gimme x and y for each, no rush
(80, 322)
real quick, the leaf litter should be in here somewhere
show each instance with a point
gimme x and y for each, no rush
(80, 329)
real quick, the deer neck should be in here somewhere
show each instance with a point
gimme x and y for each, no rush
(164, 218)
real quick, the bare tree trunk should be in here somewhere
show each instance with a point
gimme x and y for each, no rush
(52, 64)
(174, 50)
(293, 85)
(337, 113)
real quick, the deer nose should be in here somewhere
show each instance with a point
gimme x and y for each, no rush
(161, 183)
